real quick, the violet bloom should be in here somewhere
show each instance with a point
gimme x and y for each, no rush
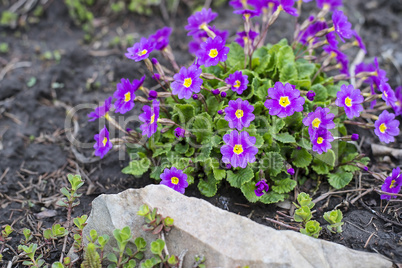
(247, 13)
(320, 118)
(212, 51)
(340, 57)
(199, 20)
(341, 25)
(101, 110)
(237, 81)
(351, 100)
(161, 38)
(260, 187)
(241, 4)
(330, 5)
(285, 100)
(141, 50)
(242, 39)
(310, 95)
(331, 40)
(150, 118)
(174, 178)
(321, 140)
(359, 41)
(179, 132)
(287, 6)
(308, 35)
(187, 81)
(355, 137)
(386, 127)
(378, 76)
(223, 94)
(392, 184)
(152, 95)
(239, 114)
(374, 102)
(291, 171)
(103, 143)
(198, 39)
(388, 95)
(239, 149)
(124, 96)
(397, 106)
(262, 6)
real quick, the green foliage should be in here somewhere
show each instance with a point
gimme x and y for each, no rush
(91, 257)
(312, 229)
(302, 214)
(8, 18)
(334, 218)
(55, 232)
(4, 48)
(305, 200)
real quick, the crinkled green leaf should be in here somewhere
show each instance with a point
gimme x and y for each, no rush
(260, 87)
(162, 149)
(305, 69)
(181, 148)
(137, 167)
(272, 197)
(301, 158)
(284, 186)
(248, 190)
(272, 162)
(288, 73)
(339, 179)
(320, 93)
(184, 112)
(285, 138)
(208, 187)
(239, 177)
(201, 127)
(327, 157)
(235, 55)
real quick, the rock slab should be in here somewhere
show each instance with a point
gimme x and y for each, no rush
(224, 238)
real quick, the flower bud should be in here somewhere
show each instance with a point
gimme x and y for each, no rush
(154, 61)
(355, 137)
(152, 95)
(195, 96)
(156, 76)
(215, 91)
(179, 132)
(220, 112)
(291, 171)
(310, 95)
(223, 94)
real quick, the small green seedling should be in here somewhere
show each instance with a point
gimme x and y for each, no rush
(334, 218)
(55, 232)
(313, 229)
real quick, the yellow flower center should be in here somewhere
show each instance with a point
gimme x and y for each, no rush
(333, 54)
(174, 180)
(320, 140)
(203, 26)
(245, 39)
(239, 113)
(392, 185)
(326, 6)
(284, 101)
(237, 84)
(385, 94)
(247, 16)
(383, 127)
(187, 82)
(104, 141)
(238, 149)
(348, 102)
(152, 119)
(107, 116)
(213, 53)
(316, 122)
(142, 53)
(398, 103)
(127, 97)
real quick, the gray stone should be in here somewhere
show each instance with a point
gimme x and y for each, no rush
(224, 238)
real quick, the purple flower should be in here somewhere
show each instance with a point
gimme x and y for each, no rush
(195, 96)
(101, 110)
(179, 132)
(285, 100)
(150, 118)
(199, 38)
(386, 127)
(355, 137)
(239, 114)
(308, 35)
(199, 20)
(340, 57)
(103, 143)
(161, 38)
(223, 94)
(228, 166)
(321, 140)
(174, 178)
(374, 102)
(320, 118)
(397, 106)
(141, 50)
(247, 13)
(237, 81)
(329, 4)
(359, 41)
(215, 91)
(392, 184)
(187, 81)
(310, 95)
(388, 95)
(260, 187)
(341, 25)
(291, 171)
(125, 96)
(212, 52)
(331, 40)
(379, 76)
(263, 5)
(152, 95)
(351, 100)
(242, 39)
(287, 6)
(239, 149)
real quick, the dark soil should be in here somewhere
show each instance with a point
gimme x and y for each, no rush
(37, 149)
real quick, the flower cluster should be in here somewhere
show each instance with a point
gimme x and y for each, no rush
(392, 184)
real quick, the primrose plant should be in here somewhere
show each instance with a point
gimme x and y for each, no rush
(257, 116)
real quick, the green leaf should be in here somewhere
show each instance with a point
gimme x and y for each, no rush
(276, 125)
(157, 246)
(205, 151)
(181, 148)
(272, 197)
(112, 257)
(184, 112)
(273, 162)
(214, 105)
(320, 167)
(219, 174)
(305, 69)
(209, 187)
(285, 138)
(235, 55)
(240, 177)
(288, 72)
(327, 157)
(201, 127)
(284, 185)
(349, 168)
(162, 149)
(285, 56)
(301, 158)
(261, 60)
(339, 179)
(140, 243)
(320, 93)
(137, 167)
(260, 87)
(248, 190)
